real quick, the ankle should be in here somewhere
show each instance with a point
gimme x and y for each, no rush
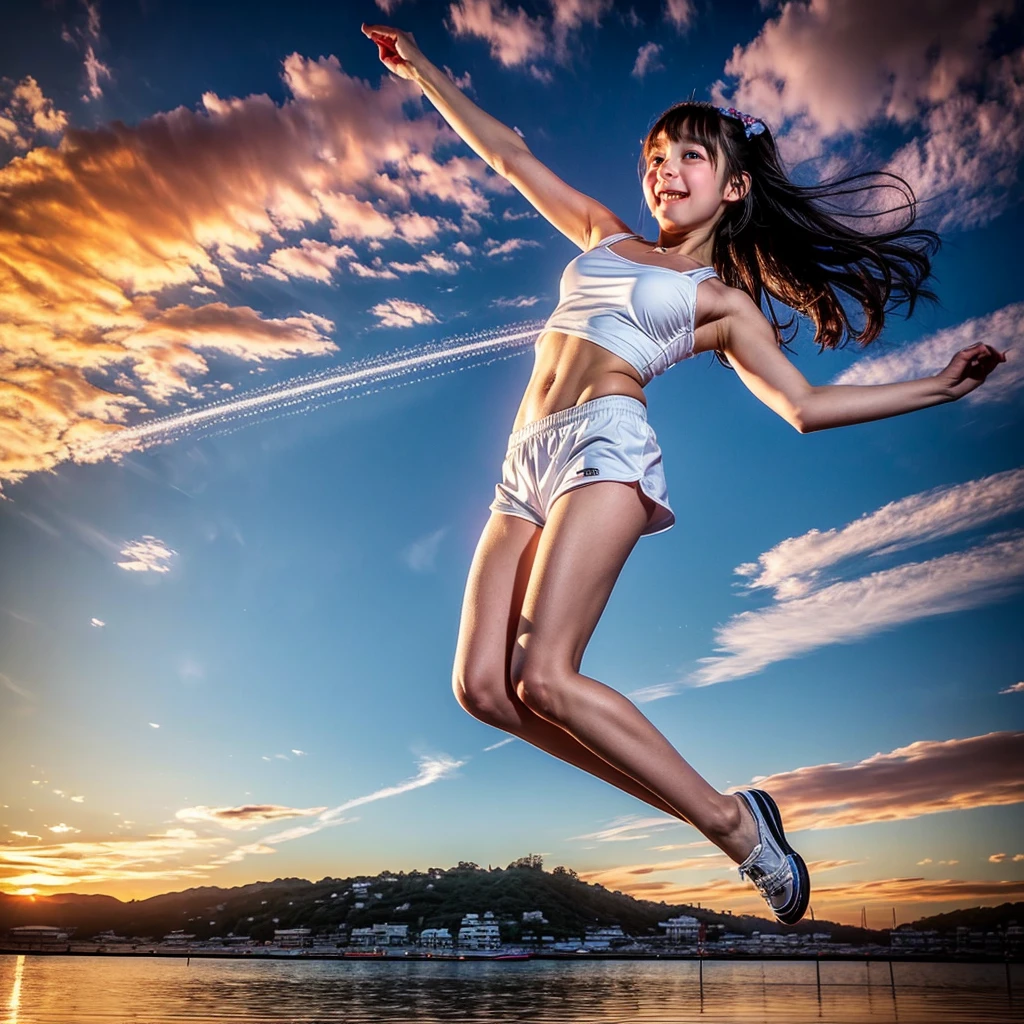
(736, 831)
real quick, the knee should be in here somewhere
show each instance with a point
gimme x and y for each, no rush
(540, 688)
(482, 695)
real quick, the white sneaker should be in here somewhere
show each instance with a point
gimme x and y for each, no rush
(773, 865)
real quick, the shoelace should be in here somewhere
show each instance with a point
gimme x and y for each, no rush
(772, 883)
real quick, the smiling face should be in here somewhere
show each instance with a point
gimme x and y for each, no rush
(694, 151)
(683, 187)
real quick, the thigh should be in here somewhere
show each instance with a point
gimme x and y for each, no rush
(493, 598)
(588, 536)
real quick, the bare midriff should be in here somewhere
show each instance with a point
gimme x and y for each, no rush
(569, 371)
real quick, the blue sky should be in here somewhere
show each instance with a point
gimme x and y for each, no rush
(261, 610)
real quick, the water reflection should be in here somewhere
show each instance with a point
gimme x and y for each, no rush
(86, 990)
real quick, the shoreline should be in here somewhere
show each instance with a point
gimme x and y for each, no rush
(205, 954)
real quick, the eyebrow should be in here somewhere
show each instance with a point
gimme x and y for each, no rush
(686, 140)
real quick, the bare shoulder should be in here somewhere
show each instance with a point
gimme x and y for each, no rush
(607, 225)
(724, 313)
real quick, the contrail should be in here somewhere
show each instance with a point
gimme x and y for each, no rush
(458, 353)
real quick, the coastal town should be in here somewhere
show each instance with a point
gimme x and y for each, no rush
(478, 936)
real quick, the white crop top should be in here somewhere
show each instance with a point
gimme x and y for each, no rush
(632, 309)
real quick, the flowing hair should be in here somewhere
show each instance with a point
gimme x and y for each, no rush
(787, 242)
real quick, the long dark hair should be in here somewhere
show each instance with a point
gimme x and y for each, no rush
(789, 242)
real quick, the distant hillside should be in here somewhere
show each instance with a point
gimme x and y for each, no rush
(434, 898)
(984, 918)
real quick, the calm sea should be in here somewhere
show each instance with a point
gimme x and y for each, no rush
(80, 990)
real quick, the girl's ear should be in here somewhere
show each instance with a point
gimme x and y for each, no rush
(738, 187)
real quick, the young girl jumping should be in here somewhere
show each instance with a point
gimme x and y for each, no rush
(732, 232)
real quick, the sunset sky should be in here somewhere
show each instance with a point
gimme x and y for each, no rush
(226, 640)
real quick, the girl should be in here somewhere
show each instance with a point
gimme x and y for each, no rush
(582, 480)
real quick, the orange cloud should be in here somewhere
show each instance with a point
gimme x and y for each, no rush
(925, 777)
(61, 864)
(840, 901)
(246, 817)
(101, 237)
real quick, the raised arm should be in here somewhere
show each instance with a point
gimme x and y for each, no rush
(748, 340)
(581, 219)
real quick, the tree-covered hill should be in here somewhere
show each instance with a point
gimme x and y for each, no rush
(436, 897)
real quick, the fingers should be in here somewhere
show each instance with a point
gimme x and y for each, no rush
(385, 38)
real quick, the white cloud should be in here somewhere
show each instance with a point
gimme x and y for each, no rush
(421, 555)
(825, 66)
(647, 60)
(501, 743)
(431, 770)
(679, 13)
(514, 36)
(309, 259)
(428, 263)
(793, 567)
(511, 245)
(28, 113)
(402, 313)
(98, 623)
(1016, 688)
(965, 165)
(146, 555)
(849, 611)
(629, 828)
(1001, 329)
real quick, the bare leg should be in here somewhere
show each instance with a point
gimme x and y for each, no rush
(490, 619)
(582, 548)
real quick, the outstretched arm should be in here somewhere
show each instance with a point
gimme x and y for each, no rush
(580, 218)
(485, 135)
(748, 341)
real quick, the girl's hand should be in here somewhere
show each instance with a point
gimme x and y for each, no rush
(968, 369)
(398, 50)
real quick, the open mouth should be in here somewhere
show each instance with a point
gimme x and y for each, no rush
(671, 196)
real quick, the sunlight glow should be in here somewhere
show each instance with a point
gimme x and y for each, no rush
(14, 1003)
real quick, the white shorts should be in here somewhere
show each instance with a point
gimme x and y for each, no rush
(607, 438)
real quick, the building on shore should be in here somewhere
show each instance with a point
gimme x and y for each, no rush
(293, 938)
(38, 934)
(436, 938)
(479, 933)
(381, 934)
(178, 938)
(905, 939)
(605, 938)
(681, 930)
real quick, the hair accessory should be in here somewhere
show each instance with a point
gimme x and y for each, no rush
(751, 125)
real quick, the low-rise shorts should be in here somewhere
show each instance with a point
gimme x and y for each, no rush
(607, 438)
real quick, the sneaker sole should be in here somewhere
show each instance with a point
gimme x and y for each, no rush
(770, 812)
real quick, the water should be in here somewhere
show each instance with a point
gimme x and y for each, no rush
(82, 990)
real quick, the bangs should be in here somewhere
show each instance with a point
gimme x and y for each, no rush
(688, 122)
